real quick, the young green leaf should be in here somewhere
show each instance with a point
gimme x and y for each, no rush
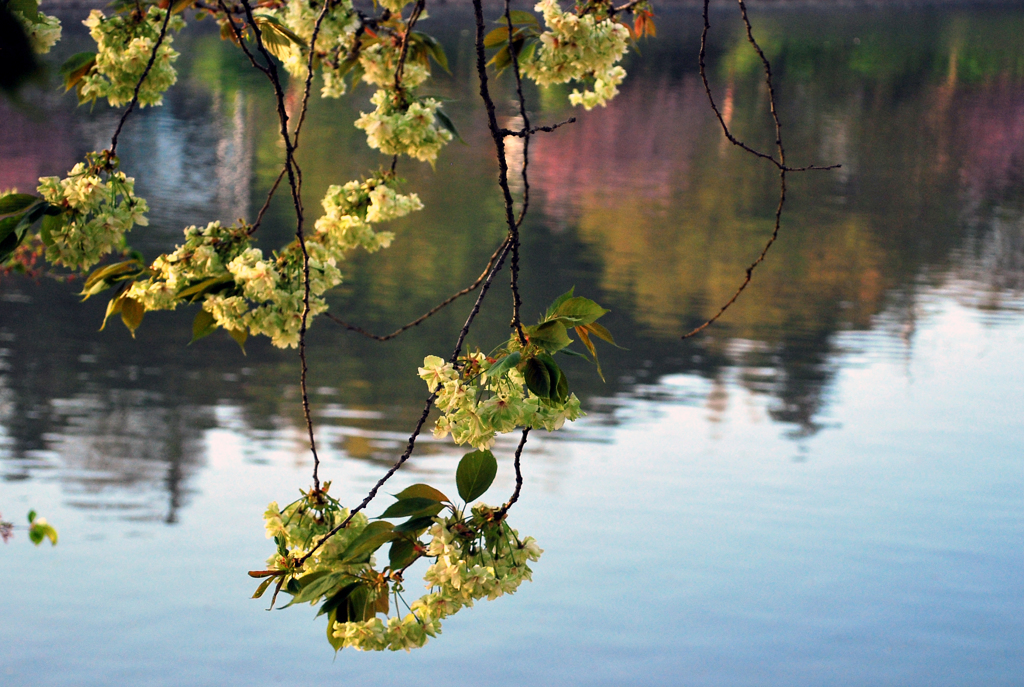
(504, 365)
(16, 202)
(496, 37)
(76, 67)
(113, 308)
(448, 124)
(202, 325)
(538, 379)
(424, 491)
(558, 302)
(559, 385)
(475, 474)
(415, 524)
(519, 17)
(371, 539)
(580, 310)
(262, 588)
(551, 336)
(402, 553)
(412, 506)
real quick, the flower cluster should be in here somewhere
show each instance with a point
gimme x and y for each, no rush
(299, 525)
(473, 560)
(202, 257)
(404, 127)
(579, 48)
(333, 42)
(124, 46)
(43, 31)
(98, 206)
(349, 211)
(475, 407)
(244, 290)
(380, 60)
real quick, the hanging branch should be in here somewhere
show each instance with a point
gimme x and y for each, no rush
(499, 145)
(138, 86)
(423, 416)
(519, 477)
(779, 163)
(437, 308)
(294, 174)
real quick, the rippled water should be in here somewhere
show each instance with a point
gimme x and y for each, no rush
(826, 488)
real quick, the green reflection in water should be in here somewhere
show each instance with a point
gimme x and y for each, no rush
(642, 206)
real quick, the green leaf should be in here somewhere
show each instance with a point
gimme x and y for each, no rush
(412, 506)
(16, 202)
(10, 236)
(520, 17)
(402, 553)
(202, 325)
(321, 585)
(538, 379)
(552, 336)
(193, 292)
(424, 491)
(447, 123)
(40, 530)
(29, 8)
(8, 225)
(555, 304)
(559, 390)
(496, 37)
(415, 524)
(504, 365)
(31, 516)
(76, 68)
(359, 606)
(581, 310)
(336, 642)
(575, 354)
(262, 588)
(113, 308)
(475, 474)
(501, 60)
(132, 312)
(434, 48)
(369, 540)
(50, 224)
(337, 599)
(115, 272)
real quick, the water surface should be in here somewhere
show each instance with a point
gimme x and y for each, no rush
(826, 488)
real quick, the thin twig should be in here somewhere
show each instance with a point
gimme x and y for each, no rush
(400, 68)
(437, 308)
(423, 416)
(526, 163)
(499, 145)
(780, 163)
(138, 85)
(519, 476)
(295, 183)
(524, 132)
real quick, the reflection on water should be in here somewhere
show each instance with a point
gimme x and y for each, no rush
(642, 205)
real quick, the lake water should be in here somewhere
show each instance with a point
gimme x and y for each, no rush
(826, 488)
